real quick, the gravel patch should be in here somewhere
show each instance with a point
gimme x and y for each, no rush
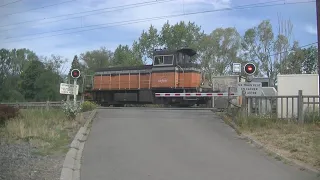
(19, 162)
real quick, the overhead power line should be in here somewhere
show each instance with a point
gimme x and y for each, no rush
(113, 9)
(33, 9)
(104, 10)
(128, 22)
(9, 3)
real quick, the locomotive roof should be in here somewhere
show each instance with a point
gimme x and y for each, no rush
(124, 68)
(188, 51)
(187, 65)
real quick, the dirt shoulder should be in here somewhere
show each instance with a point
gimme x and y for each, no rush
(33, 146)
(297, 142)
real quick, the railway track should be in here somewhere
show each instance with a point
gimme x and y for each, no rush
(27, 105)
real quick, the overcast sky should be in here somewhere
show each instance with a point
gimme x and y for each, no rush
(73, 42)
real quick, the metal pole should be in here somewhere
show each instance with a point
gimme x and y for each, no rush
(68, 96)
(83, 88)
(75, 91)
(318, 29)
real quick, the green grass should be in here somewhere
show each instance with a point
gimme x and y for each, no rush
(48, 130)
(287, 137)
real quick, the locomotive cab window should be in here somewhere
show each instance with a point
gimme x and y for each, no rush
(163, 60)
(183, 58)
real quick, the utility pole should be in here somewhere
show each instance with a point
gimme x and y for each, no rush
(318, 30)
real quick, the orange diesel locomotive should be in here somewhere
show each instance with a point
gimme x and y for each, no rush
(170, 72)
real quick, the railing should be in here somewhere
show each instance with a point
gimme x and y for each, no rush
(300, 108)
(26, 105)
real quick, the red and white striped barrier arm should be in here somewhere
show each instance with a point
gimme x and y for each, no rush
(193, 94)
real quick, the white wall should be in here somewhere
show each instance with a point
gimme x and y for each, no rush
(221, 83)
(289, 85)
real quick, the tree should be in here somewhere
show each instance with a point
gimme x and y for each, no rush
(147, 42)
(29, 77)
(75, 64)
(124, 56)
(310, 61)
(266, 38)
(181, 35)
(267, 52)
(137, 52)
(47, 85)
(54, 63)
(219, 50)
(13, 63)
(95, 59)
(172, 37)
(292, 63)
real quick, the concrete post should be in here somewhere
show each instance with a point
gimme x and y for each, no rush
(300, 107)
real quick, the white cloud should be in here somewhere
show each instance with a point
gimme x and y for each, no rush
(312, 29)
(75, 43)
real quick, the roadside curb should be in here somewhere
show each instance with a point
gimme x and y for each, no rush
(274, 154)
(72, 162)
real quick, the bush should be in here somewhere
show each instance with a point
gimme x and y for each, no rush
(7, 112)
(71, 110)
(88, 106)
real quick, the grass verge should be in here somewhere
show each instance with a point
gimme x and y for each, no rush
(49, 131)
(300, 142)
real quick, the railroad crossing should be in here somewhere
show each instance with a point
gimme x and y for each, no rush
(154, 144)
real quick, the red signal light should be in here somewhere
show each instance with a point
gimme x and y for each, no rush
(250, 68)
(75, 73)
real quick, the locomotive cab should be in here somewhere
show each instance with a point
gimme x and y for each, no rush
(164, 57)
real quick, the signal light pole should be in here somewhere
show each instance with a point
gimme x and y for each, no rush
(75, 73)
(249, 69)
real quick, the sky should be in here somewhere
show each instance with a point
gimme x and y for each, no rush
(71, 27)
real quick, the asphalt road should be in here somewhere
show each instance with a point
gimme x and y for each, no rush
(139, 144)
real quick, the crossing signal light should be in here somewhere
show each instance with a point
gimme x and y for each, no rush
(250, 68)
(75, 73)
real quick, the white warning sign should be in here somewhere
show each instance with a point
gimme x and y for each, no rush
(250, 88)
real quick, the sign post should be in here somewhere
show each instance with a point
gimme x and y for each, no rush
(75, 92)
